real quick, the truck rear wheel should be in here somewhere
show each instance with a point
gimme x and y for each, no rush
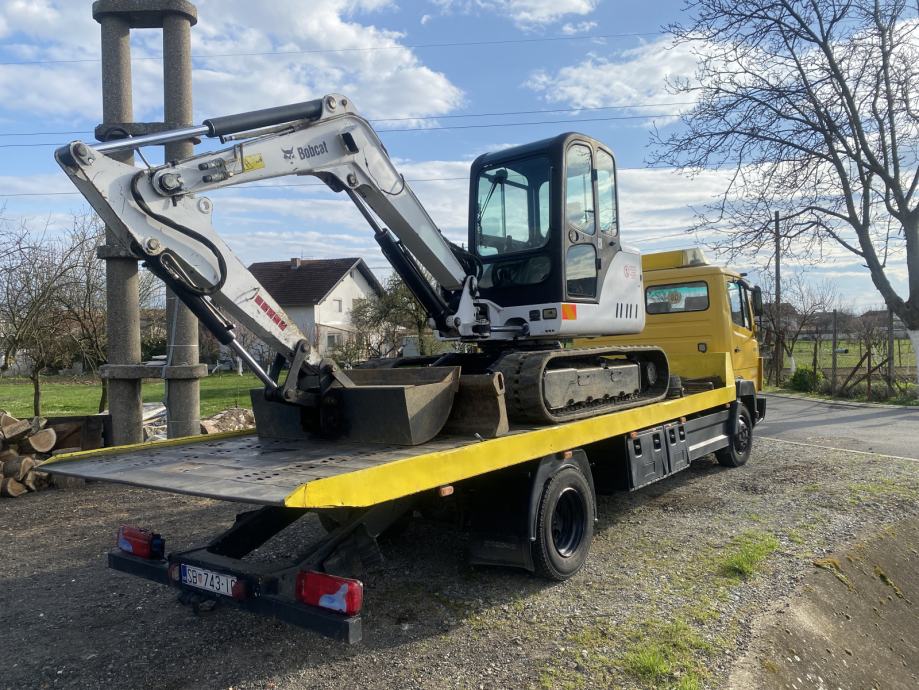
(565, 525)
(738, 450)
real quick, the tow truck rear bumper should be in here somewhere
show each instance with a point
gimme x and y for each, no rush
(327, 623)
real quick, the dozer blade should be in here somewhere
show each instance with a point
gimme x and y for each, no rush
(404, 406)
(479, 406)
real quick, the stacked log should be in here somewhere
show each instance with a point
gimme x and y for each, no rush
(24, 445)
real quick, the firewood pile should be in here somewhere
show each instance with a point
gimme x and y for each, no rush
(24, 445)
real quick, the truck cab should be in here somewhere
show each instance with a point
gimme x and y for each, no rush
(694, 306)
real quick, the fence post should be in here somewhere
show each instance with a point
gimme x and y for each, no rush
(890, 369)
(868, 389)
(835, 346)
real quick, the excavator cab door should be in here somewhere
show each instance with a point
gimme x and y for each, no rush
(591, 219)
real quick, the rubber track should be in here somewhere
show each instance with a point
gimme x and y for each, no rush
(523, 375)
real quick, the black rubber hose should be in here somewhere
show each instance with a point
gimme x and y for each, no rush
(188, 232)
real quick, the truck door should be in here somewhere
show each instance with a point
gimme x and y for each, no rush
(744, 348)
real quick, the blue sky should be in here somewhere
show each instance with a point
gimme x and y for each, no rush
(594, 60)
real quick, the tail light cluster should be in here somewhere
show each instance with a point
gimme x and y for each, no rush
(330, 592)
(141, 542)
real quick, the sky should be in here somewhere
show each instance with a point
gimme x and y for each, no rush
(442, 81)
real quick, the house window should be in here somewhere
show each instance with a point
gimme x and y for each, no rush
(333, 340)
(338, 305)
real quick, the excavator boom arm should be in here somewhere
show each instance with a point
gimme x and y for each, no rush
(160, 214)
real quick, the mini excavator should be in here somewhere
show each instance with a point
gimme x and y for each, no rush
(544, 263)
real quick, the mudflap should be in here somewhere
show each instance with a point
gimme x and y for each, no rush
(503, 509)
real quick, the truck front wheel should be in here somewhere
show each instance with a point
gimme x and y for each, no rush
(738, 450)
(565, 524)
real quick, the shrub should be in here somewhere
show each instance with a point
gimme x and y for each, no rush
(804, 380)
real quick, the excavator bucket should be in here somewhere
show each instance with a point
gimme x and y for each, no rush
(404, 406)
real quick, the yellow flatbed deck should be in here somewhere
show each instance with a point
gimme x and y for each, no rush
(241, 466)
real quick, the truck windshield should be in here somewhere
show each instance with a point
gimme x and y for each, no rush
(512, 207)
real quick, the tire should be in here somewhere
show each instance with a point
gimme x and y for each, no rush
(564, 525)
(738, 450)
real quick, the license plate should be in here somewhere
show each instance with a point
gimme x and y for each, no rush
(209, 580)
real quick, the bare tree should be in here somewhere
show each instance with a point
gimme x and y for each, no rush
(812, 106)
(34, 271)
(805, 302)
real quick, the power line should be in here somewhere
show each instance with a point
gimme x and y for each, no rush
(491, 125)
(364, 49)
(255, 185)
(627, 106)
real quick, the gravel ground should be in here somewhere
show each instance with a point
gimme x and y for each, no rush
(654, 607)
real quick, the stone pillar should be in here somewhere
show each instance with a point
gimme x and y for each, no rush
(183, 400)
(121, 372)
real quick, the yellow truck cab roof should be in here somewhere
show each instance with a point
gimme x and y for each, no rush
(686, 263)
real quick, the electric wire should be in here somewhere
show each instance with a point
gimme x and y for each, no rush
(364, 49)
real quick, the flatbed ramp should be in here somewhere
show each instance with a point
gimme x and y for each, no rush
(241, 466)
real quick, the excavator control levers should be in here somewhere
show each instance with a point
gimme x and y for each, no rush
(544, 264)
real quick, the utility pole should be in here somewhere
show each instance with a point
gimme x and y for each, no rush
(779, 346)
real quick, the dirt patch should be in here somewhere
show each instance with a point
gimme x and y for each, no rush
(852, 623)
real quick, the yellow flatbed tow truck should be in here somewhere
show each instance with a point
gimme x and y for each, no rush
(528, 496)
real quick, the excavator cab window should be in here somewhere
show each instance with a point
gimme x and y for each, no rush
(512, 221)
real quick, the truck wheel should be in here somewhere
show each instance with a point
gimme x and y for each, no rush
(738, 450)
(565, 525)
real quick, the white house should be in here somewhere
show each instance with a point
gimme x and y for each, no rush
(318, 294)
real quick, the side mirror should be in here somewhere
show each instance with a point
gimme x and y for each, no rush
(757, 300)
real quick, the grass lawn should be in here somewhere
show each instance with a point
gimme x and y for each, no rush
(62, 396)
(804, 353)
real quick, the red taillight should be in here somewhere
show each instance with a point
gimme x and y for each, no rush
(141, 542)
(330, 592)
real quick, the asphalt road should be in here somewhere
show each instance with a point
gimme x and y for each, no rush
(891, 431)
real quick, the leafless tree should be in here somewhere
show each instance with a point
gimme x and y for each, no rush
(34, 271)
(812, 106)
(804, 303)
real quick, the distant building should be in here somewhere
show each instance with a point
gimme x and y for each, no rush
(318, 295)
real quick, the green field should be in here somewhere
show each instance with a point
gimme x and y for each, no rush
(62, 396)
(804, 354)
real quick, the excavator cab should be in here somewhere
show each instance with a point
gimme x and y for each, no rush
(544, 221)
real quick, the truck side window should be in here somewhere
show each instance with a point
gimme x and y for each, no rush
(679, 297)
(579, 194)
(606, 194)
(738, 305)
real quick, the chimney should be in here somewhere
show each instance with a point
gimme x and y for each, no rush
(295, 263)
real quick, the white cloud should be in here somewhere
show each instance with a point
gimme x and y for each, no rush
(569, 29)
(526, 14)
(637, 75)
(390, 82)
